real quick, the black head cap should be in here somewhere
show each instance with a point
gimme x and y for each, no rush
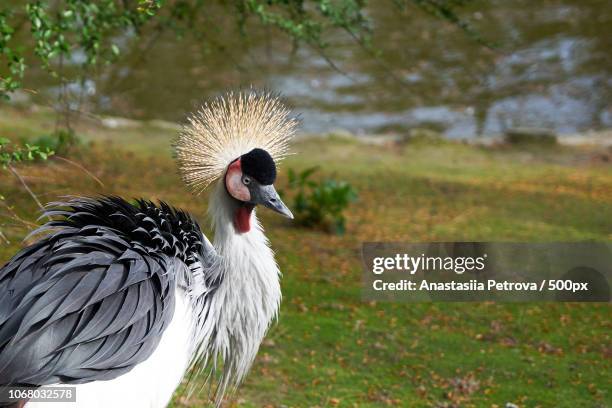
(259, 164)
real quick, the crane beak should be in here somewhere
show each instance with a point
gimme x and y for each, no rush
(268, 197)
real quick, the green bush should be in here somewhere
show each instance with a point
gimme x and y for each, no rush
(11, 153)
(61, 141)
(322, 203)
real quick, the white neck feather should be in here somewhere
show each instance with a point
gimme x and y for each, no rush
(247, 301)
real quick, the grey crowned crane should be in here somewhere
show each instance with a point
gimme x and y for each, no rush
(122, 300)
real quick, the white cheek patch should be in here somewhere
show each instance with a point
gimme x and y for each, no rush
(233, 182)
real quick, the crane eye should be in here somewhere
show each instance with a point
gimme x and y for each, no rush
(246, 180)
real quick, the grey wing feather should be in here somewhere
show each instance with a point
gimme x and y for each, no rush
(90, 313)
(91, 300)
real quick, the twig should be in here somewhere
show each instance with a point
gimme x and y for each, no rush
(4, 238)
(77, 165)
(330, 62)
(13, 216)
(18, 223)
(359, 41)
(53, 193)
(25, 185)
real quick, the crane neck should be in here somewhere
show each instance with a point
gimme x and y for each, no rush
(248, 297)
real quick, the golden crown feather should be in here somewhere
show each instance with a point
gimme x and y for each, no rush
(228, 127)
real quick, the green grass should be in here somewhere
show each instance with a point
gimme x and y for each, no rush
(330, 348)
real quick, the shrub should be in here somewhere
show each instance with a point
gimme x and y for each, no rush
(322, 203)
(11, 153)
(61, 141)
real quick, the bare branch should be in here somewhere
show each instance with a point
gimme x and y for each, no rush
(25, 185)
(77, 165)
(4, 238)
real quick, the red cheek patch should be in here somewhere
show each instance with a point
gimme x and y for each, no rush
(234, 184)
(242, 218)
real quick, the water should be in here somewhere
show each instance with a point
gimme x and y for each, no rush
(552, 69)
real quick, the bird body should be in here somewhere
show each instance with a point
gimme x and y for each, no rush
(143, 386)
(117, 293)
(122, 300)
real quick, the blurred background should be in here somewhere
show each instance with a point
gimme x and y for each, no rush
(421, 121)
(544, 64)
